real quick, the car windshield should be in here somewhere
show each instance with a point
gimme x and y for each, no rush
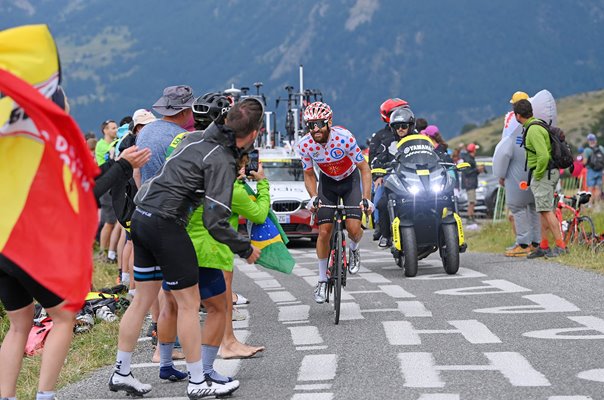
(280, 171)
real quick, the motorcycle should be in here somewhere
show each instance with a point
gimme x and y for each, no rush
(422, 206)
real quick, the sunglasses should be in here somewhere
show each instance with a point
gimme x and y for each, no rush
(312, 125)
(105, 123)
(400, 125)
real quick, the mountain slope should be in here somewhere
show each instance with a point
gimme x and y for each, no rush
(453, 61)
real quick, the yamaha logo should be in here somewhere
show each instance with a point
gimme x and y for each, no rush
(406, 150)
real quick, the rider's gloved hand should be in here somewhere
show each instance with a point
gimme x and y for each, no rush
(313, 204)
(367, 206)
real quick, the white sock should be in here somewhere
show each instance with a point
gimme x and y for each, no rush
(125, 278)
(45, 395)
(122, 362)
(111, 254)
(132, 292)
(353, 245)
(195, 371)
(322, 269)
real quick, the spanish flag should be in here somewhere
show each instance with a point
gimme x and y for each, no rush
(48, 214)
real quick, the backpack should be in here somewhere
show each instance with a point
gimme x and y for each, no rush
(596, 160)
(561, 156)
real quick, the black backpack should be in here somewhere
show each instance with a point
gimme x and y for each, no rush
(596, 160)
(561, 156)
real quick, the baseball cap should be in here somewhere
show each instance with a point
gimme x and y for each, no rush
(591, 137)
(174, 100)
(516, 97)
(430, 130)
(472, 147)
(142, 117)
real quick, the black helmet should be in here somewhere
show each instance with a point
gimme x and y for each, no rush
(211, 107)
(402, 115)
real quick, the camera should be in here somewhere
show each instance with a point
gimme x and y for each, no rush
(252, 164)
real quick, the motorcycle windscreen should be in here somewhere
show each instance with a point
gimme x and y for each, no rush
(417, 152)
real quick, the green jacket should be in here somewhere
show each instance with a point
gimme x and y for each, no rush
(213, 254)
(539, 149)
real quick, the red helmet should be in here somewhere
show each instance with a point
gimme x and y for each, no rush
(389, 105)
(317, 111)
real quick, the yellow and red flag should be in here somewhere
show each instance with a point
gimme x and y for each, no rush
(48, 214)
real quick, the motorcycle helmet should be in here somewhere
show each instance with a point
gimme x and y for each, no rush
(211, 107)
(317, 111)
(402, 115)
(389, 105)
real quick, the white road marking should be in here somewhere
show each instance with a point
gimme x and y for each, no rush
(401, 333)
(413, 309)
(278, 297)
(374, 278)
(495, 286)
(596, 375)
(301, 271)
(246, 268)
(439, 396)
(544, 303)
(569, 398)
(296, 322)
(463, 273)
(313, 396)
(318, 367)
(310, 348)
(305, 335)
(315, 386)
(420, 369)
(294, 313)
(395, 291)
(350, 311)
(259, 275)
(590, 324)
(269, 284)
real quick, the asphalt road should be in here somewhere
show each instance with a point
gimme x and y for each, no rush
(500, 329)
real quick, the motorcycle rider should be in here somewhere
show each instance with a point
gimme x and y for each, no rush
(402, 123)
(379, 143)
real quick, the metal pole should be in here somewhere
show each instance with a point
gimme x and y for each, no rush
(301, 102)
(269, 136)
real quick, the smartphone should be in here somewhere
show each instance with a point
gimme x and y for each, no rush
(252, 163)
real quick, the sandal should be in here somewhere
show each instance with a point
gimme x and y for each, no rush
(240, 300)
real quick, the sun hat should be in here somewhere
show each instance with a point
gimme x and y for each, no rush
(142, 117)
(174, 100)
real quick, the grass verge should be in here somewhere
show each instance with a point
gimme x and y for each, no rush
(495, 237)
(88, 351)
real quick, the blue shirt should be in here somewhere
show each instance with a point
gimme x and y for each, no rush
(157, 136)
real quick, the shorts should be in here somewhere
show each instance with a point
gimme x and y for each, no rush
(471, 193)
(107, 211)
(594, 178)
(330, 191)
(211, 283)
(543, 190)
(162, 250)
(18, 289)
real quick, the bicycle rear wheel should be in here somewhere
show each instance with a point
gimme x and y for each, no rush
(586, 232)
(337, 277)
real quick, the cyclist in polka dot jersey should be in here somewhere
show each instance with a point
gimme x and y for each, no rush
(342, 169)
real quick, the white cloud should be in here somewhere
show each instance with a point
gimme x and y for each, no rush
(360, 13)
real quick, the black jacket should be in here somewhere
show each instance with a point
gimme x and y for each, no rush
(112, 173)
(379, 157)
(470, 175)
(201, 169)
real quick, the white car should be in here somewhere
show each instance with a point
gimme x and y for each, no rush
(289, 197)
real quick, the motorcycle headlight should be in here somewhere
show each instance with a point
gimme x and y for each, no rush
(437, 187)
(414, 189)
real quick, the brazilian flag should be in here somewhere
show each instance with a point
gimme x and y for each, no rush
(270, 238)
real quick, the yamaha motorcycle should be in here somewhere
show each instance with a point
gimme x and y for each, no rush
(422, 206)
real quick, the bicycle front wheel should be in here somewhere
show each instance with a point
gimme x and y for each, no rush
(337, 278)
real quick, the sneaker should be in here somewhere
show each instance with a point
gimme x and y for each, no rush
(128, 384)
(172, 374)
(384, 242)
(211, 387)
(518, 251)
(376, 235)
(557, 251)
(105, 314)
(355, 261)
(320, 292)
(538, 252)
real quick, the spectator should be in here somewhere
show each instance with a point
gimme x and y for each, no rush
(421, 124)
(544, 179)
(470, 177)
(509, 166)
(593, 159)
(440, 146)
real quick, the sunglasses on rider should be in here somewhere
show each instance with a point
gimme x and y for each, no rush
(312, 125)
(400, 125)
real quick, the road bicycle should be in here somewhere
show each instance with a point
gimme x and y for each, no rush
(337, 262)
(578, 229)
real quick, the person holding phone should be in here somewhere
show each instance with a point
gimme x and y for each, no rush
(335, 151)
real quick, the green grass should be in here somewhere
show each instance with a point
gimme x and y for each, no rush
(495, 237)
(88, 351)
